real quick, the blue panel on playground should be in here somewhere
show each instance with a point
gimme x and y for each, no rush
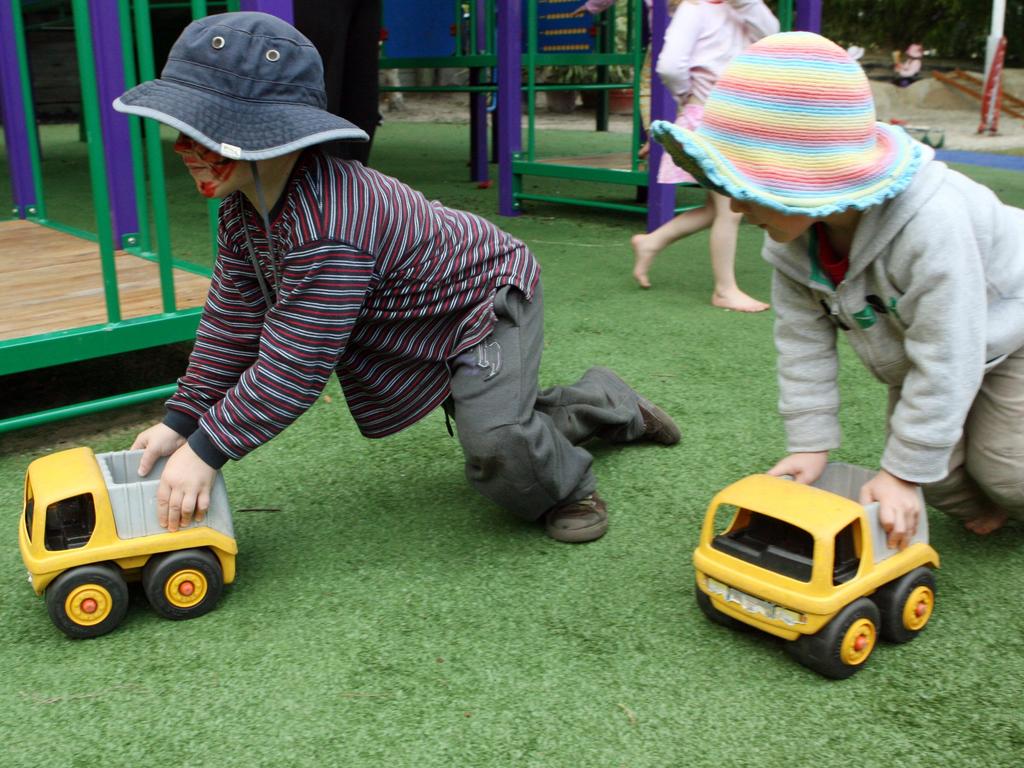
(559, 31)
(418, 28)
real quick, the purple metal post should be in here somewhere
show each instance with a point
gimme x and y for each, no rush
(12, 110)
(106, 36)
(510, 136)
(807, 16)
(661, 198)
(478, 103)
(283, 9)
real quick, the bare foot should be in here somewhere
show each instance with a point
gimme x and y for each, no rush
(986, 524)
(643, 257)
(737, 301)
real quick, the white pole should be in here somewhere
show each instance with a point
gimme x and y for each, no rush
(998, 17)
(995, 33)
(989, 111)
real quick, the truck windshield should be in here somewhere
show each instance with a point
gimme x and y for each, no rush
(769, 543)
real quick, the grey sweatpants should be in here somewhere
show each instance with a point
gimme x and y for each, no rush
(986, 470)
(522, 445)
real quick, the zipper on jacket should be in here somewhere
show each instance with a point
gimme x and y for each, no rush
(832, 313)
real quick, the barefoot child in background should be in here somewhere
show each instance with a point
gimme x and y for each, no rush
(920, 268)
(701, 39)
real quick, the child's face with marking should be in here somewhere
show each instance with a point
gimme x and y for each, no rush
(214, 174)
(780, 227)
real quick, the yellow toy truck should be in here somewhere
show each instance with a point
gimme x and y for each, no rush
(810, 564)
(89, 525)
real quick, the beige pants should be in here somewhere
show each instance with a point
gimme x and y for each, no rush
(986, 470)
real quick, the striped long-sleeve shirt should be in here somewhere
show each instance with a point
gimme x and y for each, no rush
(376, 282)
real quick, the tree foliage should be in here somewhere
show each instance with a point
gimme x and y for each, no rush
(952, 28)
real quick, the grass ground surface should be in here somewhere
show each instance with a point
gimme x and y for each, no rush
(387, 616)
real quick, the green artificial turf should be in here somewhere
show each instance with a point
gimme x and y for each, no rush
(384, 615)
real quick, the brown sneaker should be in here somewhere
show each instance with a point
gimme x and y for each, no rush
(658, 425)
(578, 521)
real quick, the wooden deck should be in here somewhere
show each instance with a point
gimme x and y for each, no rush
(619, 161)
(52, 281)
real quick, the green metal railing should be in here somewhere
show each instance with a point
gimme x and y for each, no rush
(527, 162)
(143, 240)
(25, 88)
(786, 15)
(154, 155)
(97, 164)
(200, 8)
(153, 243)
(81, 409)
(608, 56)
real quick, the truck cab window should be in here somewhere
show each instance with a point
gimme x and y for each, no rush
(847, 561)
(69, 523)
(30, 506)
(769, 543)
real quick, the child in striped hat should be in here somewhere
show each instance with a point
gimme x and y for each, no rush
(326, 266)
(871, 238)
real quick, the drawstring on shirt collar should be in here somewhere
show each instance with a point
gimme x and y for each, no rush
(265, 215)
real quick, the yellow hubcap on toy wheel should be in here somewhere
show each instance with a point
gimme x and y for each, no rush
(185, 588)
(88, 605)
(858, 642)
(918, 608)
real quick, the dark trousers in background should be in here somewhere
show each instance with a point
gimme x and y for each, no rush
(347, 35)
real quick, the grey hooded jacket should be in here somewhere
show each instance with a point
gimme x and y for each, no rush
(933, 298)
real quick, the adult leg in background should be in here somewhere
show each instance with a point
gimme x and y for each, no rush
(347, 35)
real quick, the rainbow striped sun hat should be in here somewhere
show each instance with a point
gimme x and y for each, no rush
(791, 125)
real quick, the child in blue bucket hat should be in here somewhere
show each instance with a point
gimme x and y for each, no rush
(871, 238)
(324, 265)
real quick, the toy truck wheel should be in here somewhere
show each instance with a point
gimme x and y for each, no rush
(715, 615)
(87, 601)
(906, 605)
(843, 646)
(183, 584)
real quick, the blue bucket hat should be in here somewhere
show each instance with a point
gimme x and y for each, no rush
(247, 85)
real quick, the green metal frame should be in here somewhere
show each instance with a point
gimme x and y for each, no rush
(524, 163)
(25, 88)
(117, 335)
(527, 163)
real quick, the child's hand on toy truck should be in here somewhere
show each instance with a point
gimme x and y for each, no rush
(899, 506)
(186, 482)
(899, 503)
